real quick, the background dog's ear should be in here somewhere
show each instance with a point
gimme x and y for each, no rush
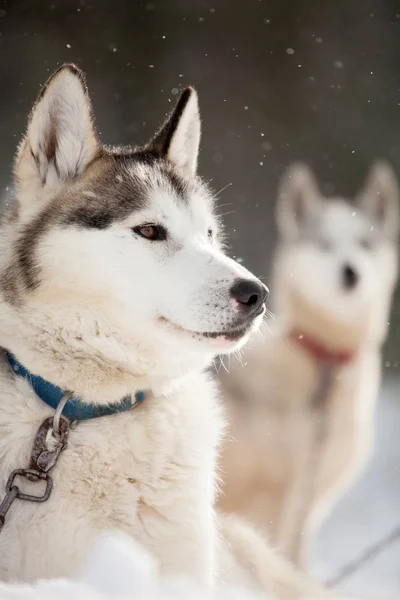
(380, 198)
(179, 138)
(60, 140)
(298, 200)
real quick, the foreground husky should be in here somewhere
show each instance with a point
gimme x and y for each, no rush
(114, 288)
(302, 409)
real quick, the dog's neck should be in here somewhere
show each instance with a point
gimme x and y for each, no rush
(319, 352)
(67, 404)
(82, 354)
(324, 338)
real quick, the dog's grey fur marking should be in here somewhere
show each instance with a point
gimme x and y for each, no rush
(27, 264)
(114, 200)
(9, 285)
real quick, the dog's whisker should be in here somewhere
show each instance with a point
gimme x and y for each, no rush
(223, 189)
(223, 364)
(215, 365)
(230, 212)
(263, 277)
(238, 355)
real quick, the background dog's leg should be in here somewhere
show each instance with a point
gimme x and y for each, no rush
(245, 559)
(293, 527)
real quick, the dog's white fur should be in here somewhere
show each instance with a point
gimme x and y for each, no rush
(267, 467)
(112, 314)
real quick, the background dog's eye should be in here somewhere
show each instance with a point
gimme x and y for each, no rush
(210, 233)
(151, 232)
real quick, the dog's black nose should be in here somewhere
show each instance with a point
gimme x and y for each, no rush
(250, 294)
(350, 277)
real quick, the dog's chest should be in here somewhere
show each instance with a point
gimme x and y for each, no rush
(281, 420)
(138, 471)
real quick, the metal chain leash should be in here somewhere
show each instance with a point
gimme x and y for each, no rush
(51, 438)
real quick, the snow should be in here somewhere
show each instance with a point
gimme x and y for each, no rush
(368, 512)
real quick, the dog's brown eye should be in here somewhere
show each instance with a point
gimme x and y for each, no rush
(151, 232)
(148, 231)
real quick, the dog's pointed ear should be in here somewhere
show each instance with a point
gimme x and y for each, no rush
(298, 200)
(178, 139)
(60, 140)
(380, 198)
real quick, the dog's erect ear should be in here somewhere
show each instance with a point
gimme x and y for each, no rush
(179, 138)
(380, 198)
(60, 140)
(298, 200)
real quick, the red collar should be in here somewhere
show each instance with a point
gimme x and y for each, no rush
(319, 352)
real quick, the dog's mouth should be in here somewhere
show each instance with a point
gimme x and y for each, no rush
(233, 334)
(230, 335)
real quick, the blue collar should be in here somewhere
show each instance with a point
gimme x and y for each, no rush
(75, 409)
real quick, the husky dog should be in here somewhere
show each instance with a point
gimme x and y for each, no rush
(115, 290)
(302, 408)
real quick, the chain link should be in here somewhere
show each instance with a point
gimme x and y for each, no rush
(46, 449)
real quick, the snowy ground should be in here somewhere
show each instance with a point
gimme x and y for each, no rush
(369, 511)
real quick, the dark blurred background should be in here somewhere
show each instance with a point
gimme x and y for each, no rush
(316, 80)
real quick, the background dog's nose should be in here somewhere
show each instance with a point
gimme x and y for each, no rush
(350, 277)
(250, 294)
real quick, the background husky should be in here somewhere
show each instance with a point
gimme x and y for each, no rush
(335, 271)
(112, 281)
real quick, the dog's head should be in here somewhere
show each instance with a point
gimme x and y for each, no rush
(117, 250)
(337, 261)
